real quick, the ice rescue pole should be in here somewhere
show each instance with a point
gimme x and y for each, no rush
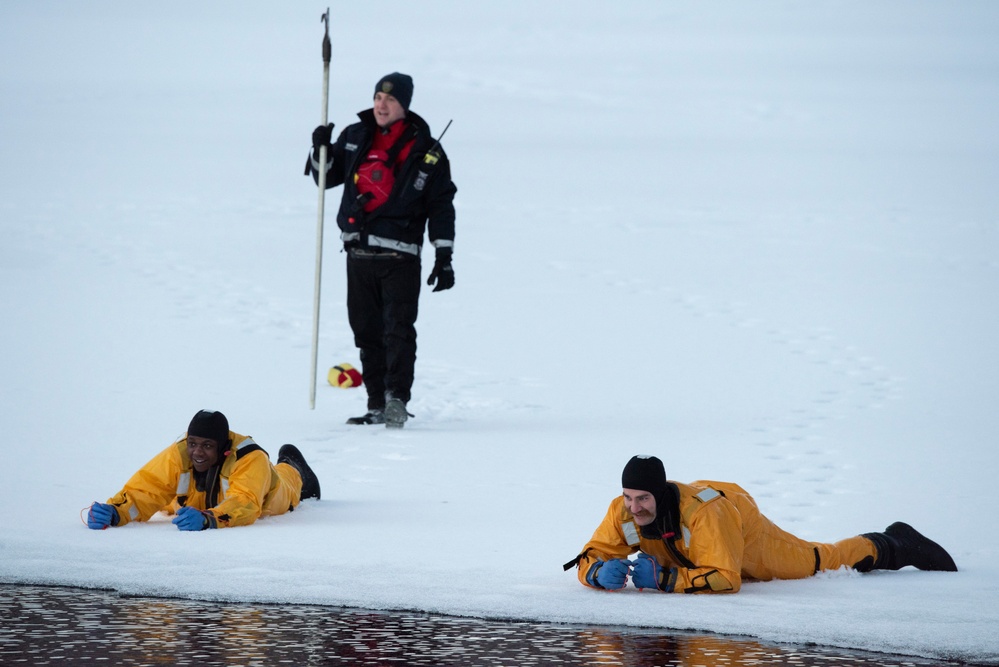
(327, 53)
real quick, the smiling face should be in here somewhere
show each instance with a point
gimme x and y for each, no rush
(203, 452)
(641, 504)
(387, 110)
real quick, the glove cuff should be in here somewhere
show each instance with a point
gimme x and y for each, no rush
(667, 580)
(591, 576)
(444, 254)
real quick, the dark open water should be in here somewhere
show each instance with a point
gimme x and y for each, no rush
(68, 626)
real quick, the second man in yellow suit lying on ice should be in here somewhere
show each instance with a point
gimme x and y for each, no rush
(707, 537)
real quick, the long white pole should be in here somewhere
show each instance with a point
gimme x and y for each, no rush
(327, 52)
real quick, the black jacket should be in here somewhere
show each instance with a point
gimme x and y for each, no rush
(421, 198)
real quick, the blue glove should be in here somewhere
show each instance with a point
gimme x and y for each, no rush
(647, 573)
(610, 574)
(189, 518)
(101, 516)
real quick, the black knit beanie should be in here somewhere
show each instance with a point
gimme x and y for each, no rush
(645, 473)
(399, 86)
(211, 424)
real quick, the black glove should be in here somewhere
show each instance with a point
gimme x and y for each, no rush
(322, 136)
(443, 274)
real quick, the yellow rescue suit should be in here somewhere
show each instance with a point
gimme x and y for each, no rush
(248, 486)
(723, 539)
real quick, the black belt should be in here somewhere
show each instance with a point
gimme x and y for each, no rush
(364, 253)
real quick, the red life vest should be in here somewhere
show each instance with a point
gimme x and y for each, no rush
(376, 175)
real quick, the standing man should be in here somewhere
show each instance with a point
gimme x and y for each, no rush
(396, 184)
(706, 537)
(210, 478)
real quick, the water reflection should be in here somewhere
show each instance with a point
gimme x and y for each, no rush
(46, 626)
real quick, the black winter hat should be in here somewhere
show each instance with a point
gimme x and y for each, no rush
(211, 424)
(399, 86)
(645, 473)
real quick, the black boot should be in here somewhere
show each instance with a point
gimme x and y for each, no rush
(310, 483)
(373, 416)
(395, 413)
(902, 545)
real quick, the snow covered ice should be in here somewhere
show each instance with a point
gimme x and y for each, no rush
(760, 241)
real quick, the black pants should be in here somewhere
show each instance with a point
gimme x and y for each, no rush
(383, 294)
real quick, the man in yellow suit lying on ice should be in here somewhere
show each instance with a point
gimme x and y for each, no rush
(706, 537)
(210, 478)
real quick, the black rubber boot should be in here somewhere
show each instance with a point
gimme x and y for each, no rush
(902, 545)
(310, 483)
(395, 413)
(374, 416)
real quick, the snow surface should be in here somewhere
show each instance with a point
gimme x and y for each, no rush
(760, 240)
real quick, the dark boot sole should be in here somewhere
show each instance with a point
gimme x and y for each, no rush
(361, 421)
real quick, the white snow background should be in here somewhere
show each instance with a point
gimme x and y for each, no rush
(759, 240)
